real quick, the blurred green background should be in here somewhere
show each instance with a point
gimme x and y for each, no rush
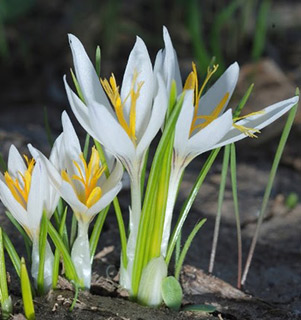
(34, 52)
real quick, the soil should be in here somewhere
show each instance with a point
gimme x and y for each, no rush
(273, 286)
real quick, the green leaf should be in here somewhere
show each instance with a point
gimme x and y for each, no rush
(291, 200)
(86, 146)
(200, 308)
(26, 292)
(97, 231)
(97, 60)
(188, 203)
(56, 261)
(187, 244)
(42, 248)
(172, 293)
(69, 266)
(14, 257)
(77, 87)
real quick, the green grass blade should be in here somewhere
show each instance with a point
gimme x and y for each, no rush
(42, 248)
(3, 165)
(178, 249)
(98, 60)
(188, 203)
(56, 262)
(219, 206)
(73, 230)
(97, 231)
(10, 249)
(27, 241)
(267, 193)
(77, 87)
(151, 190)
(236, 211)
(5, 300)
(58, 242)
(186, 247)
(86, 146)
(143, 171)
(243, 101)
(122, 232)
(261, 29)
(26, 292)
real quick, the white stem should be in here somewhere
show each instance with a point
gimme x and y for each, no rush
(80, 254)
(48, 264)
(175, 177)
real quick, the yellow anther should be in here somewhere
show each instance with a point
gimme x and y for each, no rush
(88, 175)
(112, 91)
(20, 189)
(193, 84)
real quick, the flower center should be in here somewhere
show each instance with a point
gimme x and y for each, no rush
(112, 91)
(20, 187)
(88, 175)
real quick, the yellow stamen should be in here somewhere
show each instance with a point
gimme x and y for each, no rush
(20, 189)
(193, 84)
(112, 91)
(88, 177)
(250, 132)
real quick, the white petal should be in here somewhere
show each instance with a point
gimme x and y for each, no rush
(79, 109)
(15, 162)
(37, 195)
(71, 198)
(86, 74)
(156, 119)
(105, 200)
(139, 62)
(56, 156)
(114, 178)
(206, 138)
(183, 125)
(258, 121)
(171, 65)
(18, 212)
(109, 133)
(226, 83)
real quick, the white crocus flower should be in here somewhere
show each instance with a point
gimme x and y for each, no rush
(84, 187)
(203, 125)
(25, 192)
(124, 121)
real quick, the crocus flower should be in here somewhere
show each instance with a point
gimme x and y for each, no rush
(203, 123)
(84, 187)
(124, 120)
(25, 192)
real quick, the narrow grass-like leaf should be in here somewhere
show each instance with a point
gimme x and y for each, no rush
(75, 298)
(27, 241)
(56, 262)
(172, 293)
(77, 87)
(267, 193)
(10, 249)
(69, 266)
(261, 29)
(97, 231)
(236, 211)
(122, 232)
(199, 308)
(26, 292)
(219, 206)
(47, 128)
(42, 248)
(86, 146)
(151, 190)
(98, 60)
(73, 230)
(3, 165)
(186, 247)
(143, 171)
(178, 249)
(243, 101)
(5, 300)
(188, 203)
